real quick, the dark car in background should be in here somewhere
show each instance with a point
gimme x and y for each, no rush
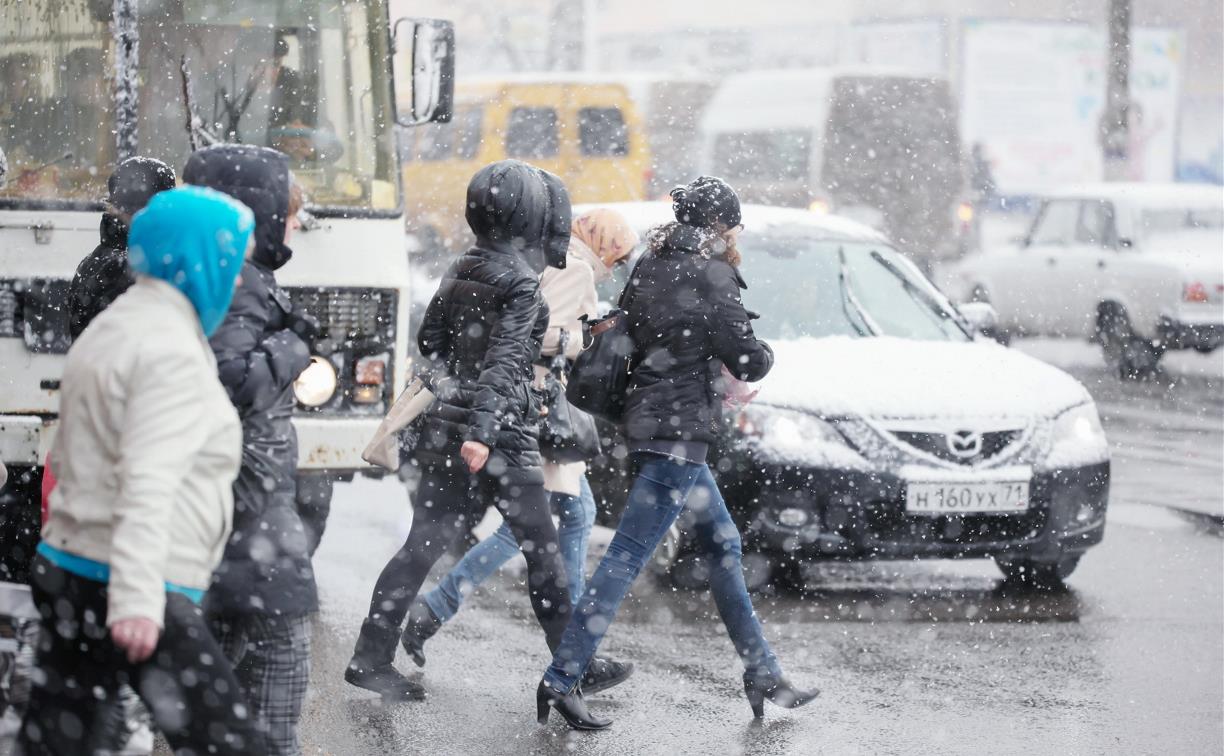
(854, 142)
(887, 429)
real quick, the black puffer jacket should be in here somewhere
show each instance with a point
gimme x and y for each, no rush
(687, 321)
(104, 273)
(266, 569)
(483, 328)
(101, 277)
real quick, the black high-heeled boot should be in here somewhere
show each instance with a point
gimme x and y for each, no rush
(371, 667)
(778, 690)
(422, 624)
(602, 674)
(570, 706)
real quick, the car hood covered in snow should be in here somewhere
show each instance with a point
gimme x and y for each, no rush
(883, 378)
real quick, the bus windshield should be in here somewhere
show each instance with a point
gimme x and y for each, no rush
(309, 78)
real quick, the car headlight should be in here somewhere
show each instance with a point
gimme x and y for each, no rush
(786, 427)
(794, 437)
(317, 383)
(1077, 438)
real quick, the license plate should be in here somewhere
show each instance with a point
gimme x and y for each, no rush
(960, 498)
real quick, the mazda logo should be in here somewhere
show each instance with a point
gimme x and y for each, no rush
(964, 444)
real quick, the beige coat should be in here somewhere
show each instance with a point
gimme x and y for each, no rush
(570, 294)
(146, 453)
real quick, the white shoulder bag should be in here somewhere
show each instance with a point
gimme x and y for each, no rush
(384, 448)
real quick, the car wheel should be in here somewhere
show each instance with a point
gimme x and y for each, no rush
(1032, 573)
(1131, 355)
(759, 570)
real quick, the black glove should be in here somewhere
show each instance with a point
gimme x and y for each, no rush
(585, 325)
(288, 356)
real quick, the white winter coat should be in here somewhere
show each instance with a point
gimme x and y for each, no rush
(146, 453)
(570, 294)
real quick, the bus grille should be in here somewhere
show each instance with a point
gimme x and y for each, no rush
(349, 314)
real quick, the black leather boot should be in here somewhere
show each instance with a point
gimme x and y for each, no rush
(778, 690)
(571, 707)
(602, 674)
(371, 667)
(422, 624)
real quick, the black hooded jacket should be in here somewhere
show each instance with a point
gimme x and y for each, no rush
(266, 569)
(104, 273)
(101, 277)
(483, 327)
(687, 321)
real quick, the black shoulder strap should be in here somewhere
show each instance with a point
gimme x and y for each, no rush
(624, 297)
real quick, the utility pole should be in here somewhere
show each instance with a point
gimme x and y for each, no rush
(1115, 121)
(127, 60)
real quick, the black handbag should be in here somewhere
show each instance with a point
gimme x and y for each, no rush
(599, 379)
(567, 434)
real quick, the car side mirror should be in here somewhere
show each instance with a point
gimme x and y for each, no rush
(981, 316)
(423, 70)
(3, 168)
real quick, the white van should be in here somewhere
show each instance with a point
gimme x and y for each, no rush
(875, 145)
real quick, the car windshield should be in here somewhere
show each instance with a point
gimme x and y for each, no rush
(802, 286)
(308, 78)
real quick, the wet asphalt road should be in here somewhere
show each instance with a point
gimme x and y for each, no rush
(932, 657)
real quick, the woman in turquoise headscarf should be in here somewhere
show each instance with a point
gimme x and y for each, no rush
(146, 453)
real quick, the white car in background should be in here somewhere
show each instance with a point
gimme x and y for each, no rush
(1138, 268)
(887, 429)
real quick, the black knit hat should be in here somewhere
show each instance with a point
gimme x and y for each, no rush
(705, 202)
(135, 181)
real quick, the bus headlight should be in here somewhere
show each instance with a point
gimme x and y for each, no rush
(317, 383)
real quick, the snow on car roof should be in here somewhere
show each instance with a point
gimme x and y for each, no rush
(646, 215)
(1145, 196)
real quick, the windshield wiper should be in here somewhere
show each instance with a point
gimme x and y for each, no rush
(921, 295)
(849, 301)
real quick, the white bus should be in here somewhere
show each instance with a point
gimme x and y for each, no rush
(84, 83)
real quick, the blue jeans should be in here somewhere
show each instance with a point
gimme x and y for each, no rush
(664, 486)
(576, 514)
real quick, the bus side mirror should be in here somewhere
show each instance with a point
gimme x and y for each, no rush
(423, 70)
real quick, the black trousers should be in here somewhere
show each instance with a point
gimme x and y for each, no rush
(448, 501)
(187, 684)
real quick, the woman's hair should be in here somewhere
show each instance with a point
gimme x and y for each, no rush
(717, 242)
(731, 251)
(296, 200)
